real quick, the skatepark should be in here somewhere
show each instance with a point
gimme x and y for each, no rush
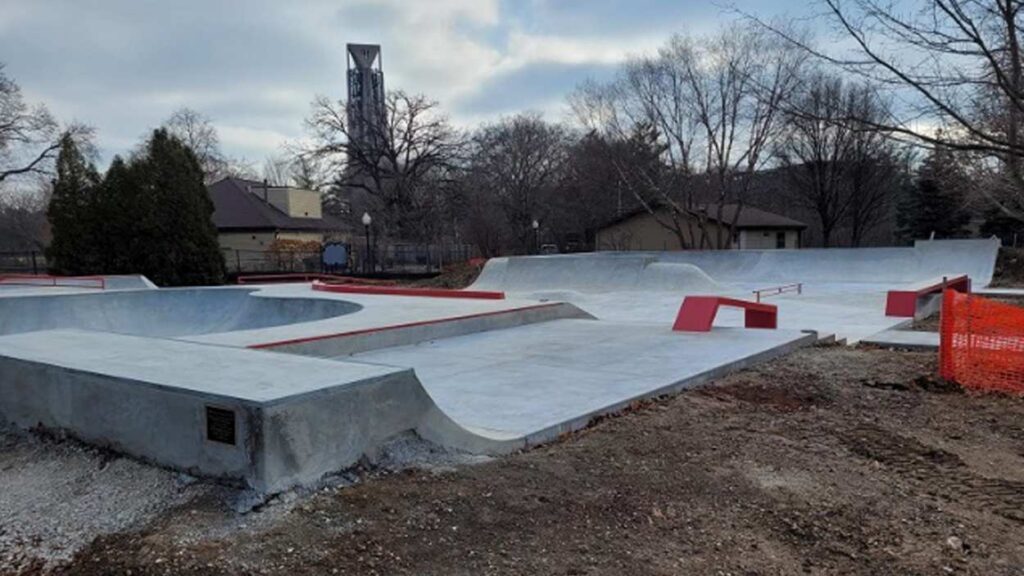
(277, 385)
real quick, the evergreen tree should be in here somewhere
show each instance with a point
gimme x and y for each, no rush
(116, 210)
(73, 223)
(934, 202)
(174, 240)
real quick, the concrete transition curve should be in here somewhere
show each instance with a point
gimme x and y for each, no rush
(703, 271)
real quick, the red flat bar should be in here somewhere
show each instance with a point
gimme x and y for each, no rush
(903, 303)
(697, 313)
(398, 291)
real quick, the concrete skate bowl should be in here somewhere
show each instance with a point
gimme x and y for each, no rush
(164, 312)
(603, 272)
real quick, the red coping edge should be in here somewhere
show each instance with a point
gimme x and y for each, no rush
(903, 303)
(397, 291)
(398, 326)
(697, 313)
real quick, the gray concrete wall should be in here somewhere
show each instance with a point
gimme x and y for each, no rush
(150, 422)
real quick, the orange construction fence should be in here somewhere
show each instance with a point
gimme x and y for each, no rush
(981, 343)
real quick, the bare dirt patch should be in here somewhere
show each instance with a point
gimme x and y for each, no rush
(829, 461)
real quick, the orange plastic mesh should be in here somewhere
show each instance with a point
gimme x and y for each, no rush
(981, 343)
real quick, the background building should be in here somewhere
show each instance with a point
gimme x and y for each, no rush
(755, 230)
(252, 216)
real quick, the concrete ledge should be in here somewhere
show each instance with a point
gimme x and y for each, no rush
(356, 341)
(268, 421)
(905, 340)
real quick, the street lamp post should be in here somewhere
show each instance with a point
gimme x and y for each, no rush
(367, 220)
(536, 237)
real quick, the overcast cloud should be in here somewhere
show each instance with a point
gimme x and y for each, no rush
(124, 65)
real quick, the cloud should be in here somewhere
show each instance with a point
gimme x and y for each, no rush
(254, 65)
(539, 86)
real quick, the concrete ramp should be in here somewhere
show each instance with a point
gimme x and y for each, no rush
(269, 421)
(706, 270)
(592, 273)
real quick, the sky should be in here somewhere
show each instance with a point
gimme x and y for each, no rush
(253, 67)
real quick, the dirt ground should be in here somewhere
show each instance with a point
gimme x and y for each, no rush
(1009, 271)
(829, 461)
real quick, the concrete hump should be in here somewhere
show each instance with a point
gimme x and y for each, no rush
(676, 277)
(702, 270)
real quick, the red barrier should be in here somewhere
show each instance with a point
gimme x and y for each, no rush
(981, 343)
(45, 280)
(903, 303)
(398, 291)
(697, 313)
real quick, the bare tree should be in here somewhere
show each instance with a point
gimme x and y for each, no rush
(277, 171)
(519, 161)
(955, 64)
(713, 103)
(199, 134)
(29, 135)
(413, 149)
(23, 224)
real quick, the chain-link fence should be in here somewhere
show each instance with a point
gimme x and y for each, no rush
(391, 258)
(32, 262)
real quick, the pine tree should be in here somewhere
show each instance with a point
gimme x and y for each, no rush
(73, 249)
(175, 242)
(116, 210)
(934, 202)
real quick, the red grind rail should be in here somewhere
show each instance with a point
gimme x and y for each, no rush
(399, 326)
(981, 343)
(774, 290)
(697, 314)
(45, 280)
(398, 291)
(307, 277)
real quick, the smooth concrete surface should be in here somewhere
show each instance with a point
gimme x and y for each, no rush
(905, 339)
(541, 380)
(843, 291)
(1002, 292)
(374, 312)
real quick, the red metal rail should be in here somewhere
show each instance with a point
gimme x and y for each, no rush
(774, 290)
(45, 280)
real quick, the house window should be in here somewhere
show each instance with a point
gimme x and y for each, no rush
(780, 240)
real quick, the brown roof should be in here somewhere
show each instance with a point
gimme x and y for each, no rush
(236, 208)
(749, 218)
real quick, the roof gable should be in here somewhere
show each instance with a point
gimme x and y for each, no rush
(236, 207)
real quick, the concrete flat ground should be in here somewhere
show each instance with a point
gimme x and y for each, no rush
(539, 380)
(851, 311)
